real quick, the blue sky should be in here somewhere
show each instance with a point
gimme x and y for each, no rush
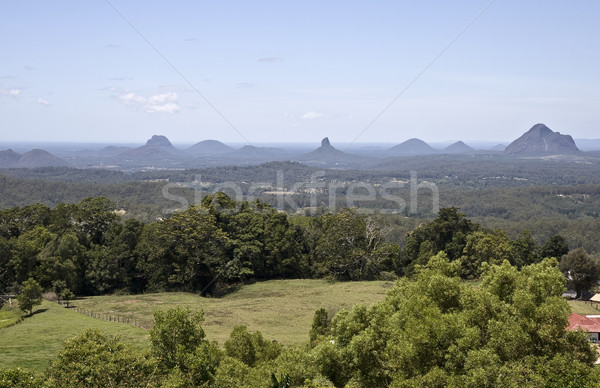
(296, 71)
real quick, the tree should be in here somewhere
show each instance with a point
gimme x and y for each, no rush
(580, 270)
(177, 341)
(556, 247)
(484, 247)
(350, 246)
(525, 250)
(448, 233)
(94, 359)
(67, 295)
(31, 295)
(320, 324)
(435, 330)
(186, 252)
(250, 348)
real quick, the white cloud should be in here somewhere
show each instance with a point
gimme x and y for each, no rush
(270, 59)
(313, 115)
(41, 101)
(10, 92)
(158, 103)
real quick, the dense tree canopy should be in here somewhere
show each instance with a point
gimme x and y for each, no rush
(219, 243)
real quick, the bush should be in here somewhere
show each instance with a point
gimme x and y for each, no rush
(250, 348)
(93, 359)
(50, 296)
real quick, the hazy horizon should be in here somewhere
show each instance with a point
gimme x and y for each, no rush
(262, 73)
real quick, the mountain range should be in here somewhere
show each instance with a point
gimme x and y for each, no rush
(159, 153)
(31, 159)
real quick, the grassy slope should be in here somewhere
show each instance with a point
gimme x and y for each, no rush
(33, 343)
(583, 308)
(281, 310)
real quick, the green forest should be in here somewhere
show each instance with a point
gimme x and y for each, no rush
(477, 300)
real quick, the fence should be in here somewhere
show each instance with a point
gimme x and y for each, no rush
(594, 304)
(113, 318)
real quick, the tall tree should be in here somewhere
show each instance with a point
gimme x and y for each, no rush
(580, 270)
(30, 295)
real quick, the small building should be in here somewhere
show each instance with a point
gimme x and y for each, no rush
(589, 323)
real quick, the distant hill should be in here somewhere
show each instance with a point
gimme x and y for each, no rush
(31, 159)
(8, 158)
(157, 147)
(328, 155)
(458, 148)
(208, 147)
(250, 151)
(541, 140)
(498, 147)
(411, 147)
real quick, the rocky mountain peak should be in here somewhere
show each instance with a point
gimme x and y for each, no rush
(159, 141)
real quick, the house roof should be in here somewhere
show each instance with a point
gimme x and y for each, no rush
(590, 323)
(595, 298)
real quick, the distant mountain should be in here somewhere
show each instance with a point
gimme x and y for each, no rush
(38, 158)
(458, 148)
(159, 141)
(157, 147)
(327, 155)
(541, 140)
(411, 147)
(498, 147)
(208, 148)
(8, 158)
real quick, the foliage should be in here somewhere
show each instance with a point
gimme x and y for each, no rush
(30, 295)
(320, 325)
(580, 270)
(250, 348)
(177, 342)
(435, 328)
(93, 359)
(67, 295)
(448, 233)
(350, 246)
(19, 378)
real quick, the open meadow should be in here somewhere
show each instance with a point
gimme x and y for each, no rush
(281, 310)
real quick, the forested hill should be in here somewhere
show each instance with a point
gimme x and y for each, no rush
(87, 249)
(142, 200)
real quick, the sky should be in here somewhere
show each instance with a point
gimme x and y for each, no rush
(296, 71)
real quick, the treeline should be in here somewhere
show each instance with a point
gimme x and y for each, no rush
(219, 243)
(432, 330)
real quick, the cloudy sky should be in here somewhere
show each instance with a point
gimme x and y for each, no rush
(296, 71)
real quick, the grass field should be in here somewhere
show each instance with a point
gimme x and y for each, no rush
(583, 308)
(281, 310)
(34, 342)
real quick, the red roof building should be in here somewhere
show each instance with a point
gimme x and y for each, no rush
(589, 323)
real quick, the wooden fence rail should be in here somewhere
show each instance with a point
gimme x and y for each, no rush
(112, 318)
